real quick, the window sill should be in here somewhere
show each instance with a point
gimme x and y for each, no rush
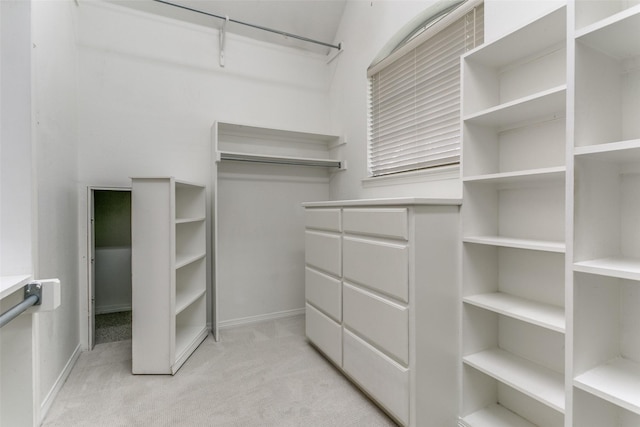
(426, 175)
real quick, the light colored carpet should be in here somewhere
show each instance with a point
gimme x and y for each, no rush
(265, 374)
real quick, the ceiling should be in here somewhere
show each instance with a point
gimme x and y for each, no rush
(314, 19)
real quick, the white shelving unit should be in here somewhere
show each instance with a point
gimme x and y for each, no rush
(514, 171)
(606, 256)
(235, 142)
(169, 273)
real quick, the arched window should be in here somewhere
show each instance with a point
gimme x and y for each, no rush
(414, 115)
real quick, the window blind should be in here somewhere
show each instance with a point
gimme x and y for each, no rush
(414, 112)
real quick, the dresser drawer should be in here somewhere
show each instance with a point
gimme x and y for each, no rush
(389, 222)
(381, 266)
(323, 219)
(323, 251)
(324, 292)
(385, 380)
(324, 333)
(379, 321)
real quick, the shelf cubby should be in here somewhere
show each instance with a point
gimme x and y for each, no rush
(607, 80)
(504, 406)
(607, 199)
(513, 215)
(190, 283)
(190, 242)
(592, 411)
(526, 64)
(527, 149)
(537, 382)
(534, 279)
(190, 202)
(607, 343)
(495, 415)
(189, 328)
(595, 14)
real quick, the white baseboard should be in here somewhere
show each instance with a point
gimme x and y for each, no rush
(260, 318)
(113, 308)
(51, 396)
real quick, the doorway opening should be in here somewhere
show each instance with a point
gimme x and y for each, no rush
(110, 265)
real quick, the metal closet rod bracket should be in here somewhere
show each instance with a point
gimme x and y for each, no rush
(259, 27)
(32, 296)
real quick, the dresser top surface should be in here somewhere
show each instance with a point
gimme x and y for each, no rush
(400, 201)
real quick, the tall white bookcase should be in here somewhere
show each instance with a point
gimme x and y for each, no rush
(606, 253)
(169, 273)
(551, 234)
(513, 221)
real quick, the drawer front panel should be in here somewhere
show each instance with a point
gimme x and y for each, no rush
(386, 381)
(323, 219)
(323, 251)
(391, 222)
(324, 292)
(379, 321)
(381, 266)
(324, 333)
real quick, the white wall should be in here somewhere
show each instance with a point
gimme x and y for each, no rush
(365, 29)
(55, 159)
(15, 134)
(17, 401)
(150, 89)
(113, 279)
(261, 239)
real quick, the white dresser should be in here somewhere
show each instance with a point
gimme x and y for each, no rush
(382, 300)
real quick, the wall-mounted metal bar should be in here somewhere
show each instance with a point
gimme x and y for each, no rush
(259, 27)
(32, 296)
(242, 157)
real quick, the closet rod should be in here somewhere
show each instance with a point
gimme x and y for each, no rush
(224, 18)
(241, 157)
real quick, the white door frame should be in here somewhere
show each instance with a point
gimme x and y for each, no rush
(91, 301)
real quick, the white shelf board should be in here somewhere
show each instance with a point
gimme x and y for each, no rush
(286, 160)
(617, 381)
(617, 35)
(10, 284)
(532, 176)
(187, 340)
(621, 267)
(495, 416)
(533, 37)
(225, 128)
(509, 242)
(543, 315)
(186, 259)
(526, 109)
(534, 380)
(184, 300)
(188, 220)
(620, 152)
